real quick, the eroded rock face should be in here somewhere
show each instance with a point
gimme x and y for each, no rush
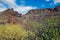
(43, 13)
(11, 12)
(38, 15)
(10, 16)
(48, 11)
(57, 8)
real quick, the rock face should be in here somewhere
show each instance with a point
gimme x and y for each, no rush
(9, 16)
(39, 15)
(12, 17)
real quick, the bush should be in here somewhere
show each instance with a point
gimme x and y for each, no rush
(12, 32)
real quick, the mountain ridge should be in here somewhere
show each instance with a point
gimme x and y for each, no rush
(11, 16)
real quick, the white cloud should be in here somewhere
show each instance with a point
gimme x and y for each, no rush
(24, 9)
(47, 0)
(56, 1)
(22, 1)
(12, 4)
(2, 7)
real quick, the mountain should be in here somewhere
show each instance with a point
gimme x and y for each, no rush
(9, 16)
(38, 15)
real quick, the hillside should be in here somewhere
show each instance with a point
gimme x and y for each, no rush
(37, 24)
(38, 15)
(9, 16)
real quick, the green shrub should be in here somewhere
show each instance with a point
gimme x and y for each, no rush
(12, 32)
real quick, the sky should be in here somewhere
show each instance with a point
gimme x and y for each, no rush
(23, 6)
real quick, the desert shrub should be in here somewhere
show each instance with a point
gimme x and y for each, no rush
(49, 30)
(12, 32)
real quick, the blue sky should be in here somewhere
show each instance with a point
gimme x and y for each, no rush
(23, 6)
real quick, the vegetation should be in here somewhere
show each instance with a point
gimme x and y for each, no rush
(48, 31)
(12, 32)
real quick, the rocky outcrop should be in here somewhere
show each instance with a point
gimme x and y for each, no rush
(47, 11)
(57, 8)
(10, 16)
(11, 12)
(39, 15)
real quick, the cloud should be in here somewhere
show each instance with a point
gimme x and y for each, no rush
(24, 9)
(47, 0)
(56, 1)
(12, 4)
(2, 7)
(22, 1)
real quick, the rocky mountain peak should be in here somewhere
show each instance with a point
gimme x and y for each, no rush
(42, 11)
(57, 8)
(11, 12)
(10, 16)
(35, 14)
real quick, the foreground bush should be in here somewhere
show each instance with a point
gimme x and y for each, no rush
(49, 30)
(12, 32)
